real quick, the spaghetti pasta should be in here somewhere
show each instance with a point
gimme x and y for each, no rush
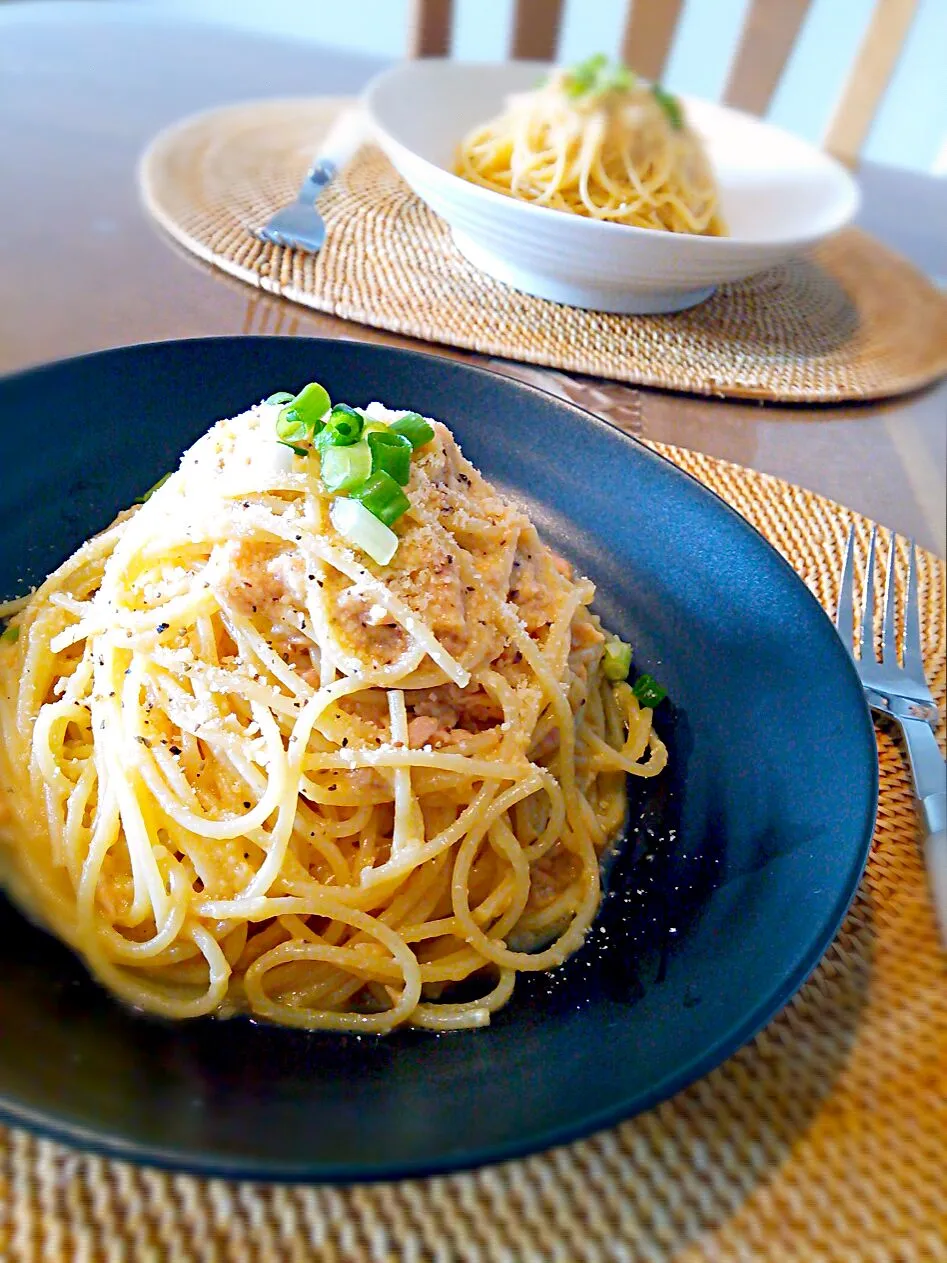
(247, 768)
(595, 141)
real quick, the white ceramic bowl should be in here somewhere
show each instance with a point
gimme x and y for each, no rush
(778, 195)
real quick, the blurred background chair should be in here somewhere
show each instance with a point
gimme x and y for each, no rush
(864, 78)
(767, 37)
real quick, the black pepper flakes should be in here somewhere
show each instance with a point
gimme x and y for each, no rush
(162, 627)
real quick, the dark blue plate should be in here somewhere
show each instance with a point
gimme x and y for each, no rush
(738, 866)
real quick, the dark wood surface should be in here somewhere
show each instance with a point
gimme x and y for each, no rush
(84, 87)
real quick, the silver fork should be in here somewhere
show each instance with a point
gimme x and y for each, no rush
(902, 692)
(299, 226)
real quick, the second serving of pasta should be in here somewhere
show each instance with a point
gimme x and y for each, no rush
(598, 142)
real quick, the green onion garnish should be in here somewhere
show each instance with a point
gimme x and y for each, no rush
(343, 427)
(300, 419)
(595, 75)
(360, 527)
(290, 426)
(618, 79)
(294, 447)
(648, 691)
(312, 403)
(414, 428)
(151, 490)
(616, 662)
(391, 453)
(281, 397)
(345, 467)
(583, 77)
(382, 496)
(10, 635)
(670, 105)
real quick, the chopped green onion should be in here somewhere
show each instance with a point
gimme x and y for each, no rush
(596, 75)
(414, 428)
(312, 403)
(345, 467)
(391, 453)
(294, 447)
(648, 691)
(290, 426)
(343, 427)
(10, 635)
(584, 77)
(281, 397)
(616, 662)
(382, 496)
(301, 417)
(360, 527)
(670, 105)
(151, 490)
(618, 79)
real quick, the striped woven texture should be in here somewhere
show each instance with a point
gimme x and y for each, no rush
(850, 321)
(822, 1141)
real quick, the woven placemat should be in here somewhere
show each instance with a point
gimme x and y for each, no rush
(852, 320)
(822, 1141)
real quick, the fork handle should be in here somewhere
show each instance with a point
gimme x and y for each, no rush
(935, 853)
(930, 780)
(346, 135)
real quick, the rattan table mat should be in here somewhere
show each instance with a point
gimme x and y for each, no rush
(822, 1141)
(852, 320)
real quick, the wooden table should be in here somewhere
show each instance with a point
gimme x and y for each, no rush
(84, 86)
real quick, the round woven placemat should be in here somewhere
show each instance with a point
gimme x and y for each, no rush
(851, 320)
(822, 1141)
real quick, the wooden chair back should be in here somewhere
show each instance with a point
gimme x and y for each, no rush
(766, 41)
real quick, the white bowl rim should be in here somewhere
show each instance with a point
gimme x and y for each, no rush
(511, 205)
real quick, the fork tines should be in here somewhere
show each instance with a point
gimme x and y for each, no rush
(912, 658)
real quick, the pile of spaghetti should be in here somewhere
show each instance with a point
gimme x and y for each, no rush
(248, 766)
(598, 142)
